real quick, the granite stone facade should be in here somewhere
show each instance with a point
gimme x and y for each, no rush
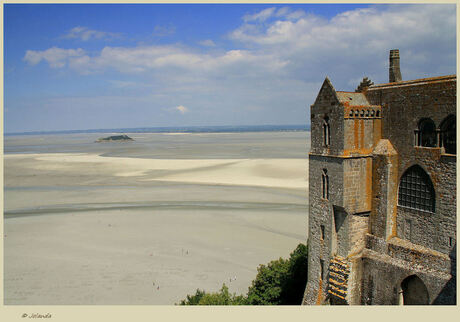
(382, 190)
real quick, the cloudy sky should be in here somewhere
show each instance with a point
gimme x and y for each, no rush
(72, 67)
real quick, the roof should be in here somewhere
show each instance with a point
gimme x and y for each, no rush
(352, 99)
(420, 81)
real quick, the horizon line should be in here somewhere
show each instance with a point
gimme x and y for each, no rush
(158, 129)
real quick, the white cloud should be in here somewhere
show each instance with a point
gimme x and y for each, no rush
(85, 34)
(356, 41)
(150, 58)
(56, 57)
(182, 109)
(287, 13)
(260, 16)
(207, 43)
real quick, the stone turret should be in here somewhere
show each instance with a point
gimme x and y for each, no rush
(395, 72)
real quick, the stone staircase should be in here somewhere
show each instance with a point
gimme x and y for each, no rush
(338, 277)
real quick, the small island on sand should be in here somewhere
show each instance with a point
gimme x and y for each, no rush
(114, 138)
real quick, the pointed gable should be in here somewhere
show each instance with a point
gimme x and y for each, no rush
(327, 93)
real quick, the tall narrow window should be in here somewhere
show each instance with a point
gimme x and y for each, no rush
(449, 135)
(326, 132)
(321, 263)
(322, 232)
(426, 133)
(416, 190)
(325, 184)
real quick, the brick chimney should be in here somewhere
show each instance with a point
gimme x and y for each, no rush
(395, 72)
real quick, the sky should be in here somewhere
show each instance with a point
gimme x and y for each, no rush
(76, 67)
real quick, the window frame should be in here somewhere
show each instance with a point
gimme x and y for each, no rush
(422, 134)
(416, 190)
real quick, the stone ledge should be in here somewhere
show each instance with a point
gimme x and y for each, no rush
(404, 265)
(341, 156)
(414, 256)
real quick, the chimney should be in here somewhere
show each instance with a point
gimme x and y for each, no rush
(395, 72)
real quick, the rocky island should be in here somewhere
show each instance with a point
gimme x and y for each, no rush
(115, 138)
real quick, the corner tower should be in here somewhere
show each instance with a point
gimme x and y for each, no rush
(344, 130)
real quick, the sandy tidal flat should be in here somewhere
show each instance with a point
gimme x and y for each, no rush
(84, 228)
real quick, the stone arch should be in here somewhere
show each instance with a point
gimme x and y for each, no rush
(426, 133)
(416, 190)
(448, 134)
(413, 291)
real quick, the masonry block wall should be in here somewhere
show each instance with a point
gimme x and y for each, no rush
(357, 173)
(403, 108)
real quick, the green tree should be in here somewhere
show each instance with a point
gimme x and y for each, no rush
(193, 299)
(267, 287)
(296, 280)
(223, 297)
(280, 282)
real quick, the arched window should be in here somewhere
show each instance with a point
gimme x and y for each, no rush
(416, 190)
(426, 133)
(325, 184)
(449, 135)
(326, 132)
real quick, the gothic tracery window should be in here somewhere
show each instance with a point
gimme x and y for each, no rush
(416, 190)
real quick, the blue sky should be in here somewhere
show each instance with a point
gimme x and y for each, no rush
(87, 66)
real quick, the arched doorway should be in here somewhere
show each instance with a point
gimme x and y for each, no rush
(413, 291)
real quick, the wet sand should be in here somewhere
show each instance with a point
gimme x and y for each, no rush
(130, 224)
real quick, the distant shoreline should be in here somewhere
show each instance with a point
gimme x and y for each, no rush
(186, 129)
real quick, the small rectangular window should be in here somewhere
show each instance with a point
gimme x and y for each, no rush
(322, 232)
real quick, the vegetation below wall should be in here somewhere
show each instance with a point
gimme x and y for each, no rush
(280, 282)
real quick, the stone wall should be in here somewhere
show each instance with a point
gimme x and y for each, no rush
(384, 189)
(357, 180)
(403, 106)
(321, 214)
(361, 134)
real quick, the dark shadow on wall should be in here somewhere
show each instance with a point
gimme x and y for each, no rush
(448, 295)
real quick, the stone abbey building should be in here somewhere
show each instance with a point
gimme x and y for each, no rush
(382, 175)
